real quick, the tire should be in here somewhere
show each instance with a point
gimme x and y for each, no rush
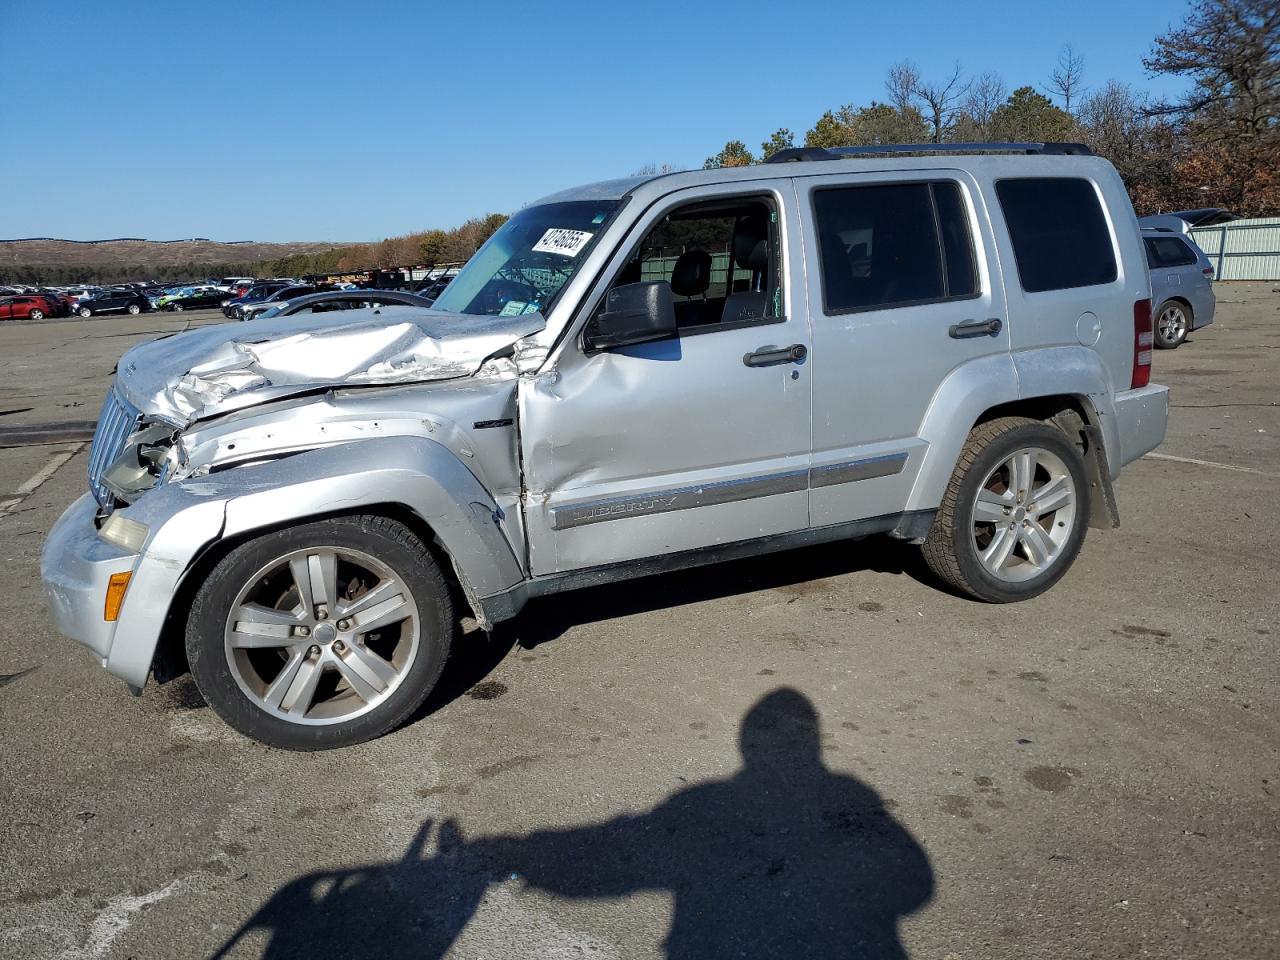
(265, 689)
(175, 307)
(35, 315)
(1172, 324)
(134, 309)
(85, 312)
(962, 547)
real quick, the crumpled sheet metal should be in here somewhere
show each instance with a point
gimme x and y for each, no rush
(193, 375)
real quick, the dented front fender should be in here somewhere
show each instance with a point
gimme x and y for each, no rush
(188, 518)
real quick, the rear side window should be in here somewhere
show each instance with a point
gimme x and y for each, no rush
(1168, 252)
(1060, 237)
(893, 245)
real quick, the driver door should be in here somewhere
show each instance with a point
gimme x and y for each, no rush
(687, 443)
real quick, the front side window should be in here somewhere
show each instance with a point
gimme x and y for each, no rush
(1059, 234)
(720, 258)
(893, 245)
(525, 264)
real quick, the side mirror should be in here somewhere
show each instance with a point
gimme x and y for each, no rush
(633, 313)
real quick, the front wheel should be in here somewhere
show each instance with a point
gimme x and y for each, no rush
(1014, 515)
(1173, 321)
(321, 635)
(175, 307)
(85, 312)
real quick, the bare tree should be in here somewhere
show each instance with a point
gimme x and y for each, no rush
(973, 122)
(901, 83)
(1066, 80)
(940, 101)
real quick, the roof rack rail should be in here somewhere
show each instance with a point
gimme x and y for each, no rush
(796, 154)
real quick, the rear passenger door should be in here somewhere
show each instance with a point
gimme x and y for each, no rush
(902, 291)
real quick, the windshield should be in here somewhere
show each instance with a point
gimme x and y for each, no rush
(523, 266)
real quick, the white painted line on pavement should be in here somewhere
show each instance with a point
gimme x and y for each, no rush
(1210, 463)
(41, 475)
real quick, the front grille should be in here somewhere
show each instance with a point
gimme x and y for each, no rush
(117, 420)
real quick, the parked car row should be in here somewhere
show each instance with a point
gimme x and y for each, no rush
(274, 299)
(240, 298)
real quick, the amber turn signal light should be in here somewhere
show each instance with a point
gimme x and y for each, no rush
(116, 587)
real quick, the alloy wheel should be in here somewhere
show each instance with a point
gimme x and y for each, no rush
(1024, 514)
(322, 635)
(1172, 323)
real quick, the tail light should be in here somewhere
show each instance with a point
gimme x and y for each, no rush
(1208, 271)
(1142, 339)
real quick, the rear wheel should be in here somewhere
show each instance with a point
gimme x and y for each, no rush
(321, 635)
(36, 315)
(1014, 515)
(1172, 323)
(134, 309)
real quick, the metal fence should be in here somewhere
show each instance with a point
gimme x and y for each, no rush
(1242, 249)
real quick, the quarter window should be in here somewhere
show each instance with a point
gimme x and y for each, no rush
(1168, 252)
(893, 245)
(1059, 234)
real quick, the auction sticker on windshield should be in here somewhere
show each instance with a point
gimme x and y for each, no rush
(566, 243)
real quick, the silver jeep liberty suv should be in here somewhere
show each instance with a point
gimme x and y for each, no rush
(946, 345)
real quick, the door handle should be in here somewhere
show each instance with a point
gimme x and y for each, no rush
(768, 356)
(976, 328)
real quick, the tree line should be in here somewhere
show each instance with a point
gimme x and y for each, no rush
(426, 248)
(1219, 145)
(62, 275)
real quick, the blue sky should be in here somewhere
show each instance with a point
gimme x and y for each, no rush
(288, 120)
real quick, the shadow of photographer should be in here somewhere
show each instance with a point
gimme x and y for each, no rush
(783, 859)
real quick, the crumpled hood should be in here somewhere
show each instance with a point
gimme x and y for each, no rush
(214, 369)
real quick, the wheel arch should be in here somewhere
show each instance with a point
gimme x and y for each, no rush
(1072, 390)
(1181, 301)
(419, 482)
(170, 659)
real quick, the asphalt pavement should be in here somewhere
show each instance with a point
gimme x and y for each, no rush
(819, 753)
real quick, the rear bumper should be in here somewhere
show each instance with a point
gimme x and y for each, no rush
(1142, 416)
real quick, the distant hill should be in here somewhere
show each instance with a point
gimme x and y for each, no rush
(42, 260)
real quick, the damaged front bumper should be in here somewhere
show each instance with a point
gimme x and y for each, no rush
(77, 565)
